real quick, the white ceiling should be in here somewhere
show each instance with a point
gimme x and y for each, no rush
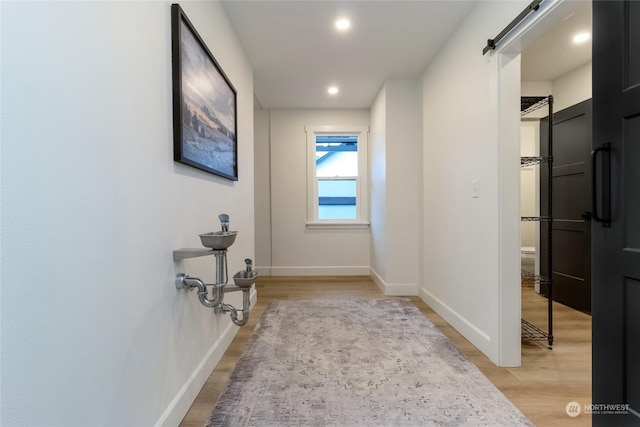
(555, 54)
(296, 52)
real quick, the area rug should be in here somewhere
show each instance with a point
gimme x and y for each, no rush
(356, 363)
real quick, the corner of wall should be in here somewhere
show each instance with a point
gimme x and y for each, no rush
(262, 185)
(393, 289)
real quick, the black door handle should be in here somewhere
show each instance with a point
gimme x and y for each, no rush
(605, 182)
(586, 216)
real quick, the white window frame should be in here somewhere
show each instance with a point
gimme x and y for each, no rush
(362, 180)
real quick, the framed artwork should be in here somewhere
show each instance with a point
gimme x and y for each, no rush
(204, 104)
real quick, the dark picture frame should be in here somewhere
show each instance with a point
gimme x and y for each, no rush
(204, 104)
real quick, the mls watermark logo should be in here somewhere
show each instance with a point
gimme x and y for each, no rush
(573, 409)
(607, 409)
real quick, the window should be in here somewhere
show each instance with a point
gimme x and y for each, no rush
(337, 176)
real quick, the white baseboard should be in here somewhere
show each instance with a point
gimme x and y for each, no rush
(393, 289)
(321, 271)
(181, 403)
(476, 336)
(264, 271)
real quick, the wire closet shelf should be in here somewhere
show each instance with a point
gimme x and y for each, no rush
(530, 332)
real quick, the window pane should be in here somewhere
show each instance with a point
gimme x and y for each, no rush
(336, 156)
(337, 199)
(336, 212)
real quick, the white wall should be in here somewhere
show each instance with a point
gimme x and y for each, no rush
(572, 88)
(463, 235)
(529, 88)
(93, 330)
(378, 185)
(396, 181)
(295, 249)
(567, 90)
(404, 183)
(262, 189)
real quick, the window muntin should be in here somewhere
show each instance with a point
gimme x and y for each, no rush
(337, 198)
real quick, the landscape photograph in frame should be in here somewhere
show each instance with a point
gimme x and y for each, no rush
(204, 104)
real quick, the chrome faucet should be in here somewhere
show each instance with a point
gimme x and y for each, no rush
(224, 222)
(249, 264)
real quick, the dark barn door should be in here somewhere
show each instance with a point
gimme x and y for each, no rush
(616, 245)
(571, 205)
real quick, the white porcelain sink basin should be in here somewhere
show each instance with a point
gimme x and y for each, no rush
(218, 239)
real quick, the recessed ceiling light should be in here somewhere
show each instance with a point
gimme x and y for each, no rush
(333, 90)
(581, 37)
(343, 24)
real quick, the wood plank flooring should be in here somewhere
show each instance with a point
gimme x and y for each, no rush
(540, 388)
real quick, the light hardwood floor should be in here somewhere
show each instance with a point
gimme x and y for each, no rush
(540, 388)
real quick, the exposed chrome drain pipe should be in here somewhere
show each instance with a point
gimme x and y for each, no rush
(227, 308)
(218, 242)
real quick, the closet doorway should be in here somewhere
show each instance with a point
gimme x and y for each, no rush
(557, 65)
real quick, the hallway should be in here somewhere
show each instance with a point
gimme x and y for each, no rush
(541, 388)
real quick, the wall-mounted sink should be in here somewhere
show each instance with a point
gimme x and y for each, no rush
(218, 240)
(244, 279)
(217, 243)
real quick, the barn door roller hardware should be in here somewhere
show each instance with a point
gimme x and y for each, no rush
(491, 43)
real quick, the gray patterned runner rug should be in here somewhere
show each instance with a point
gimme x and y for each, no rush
(356, 363)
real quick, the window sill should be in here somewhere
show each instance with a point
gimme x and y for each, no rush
(337, 225)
